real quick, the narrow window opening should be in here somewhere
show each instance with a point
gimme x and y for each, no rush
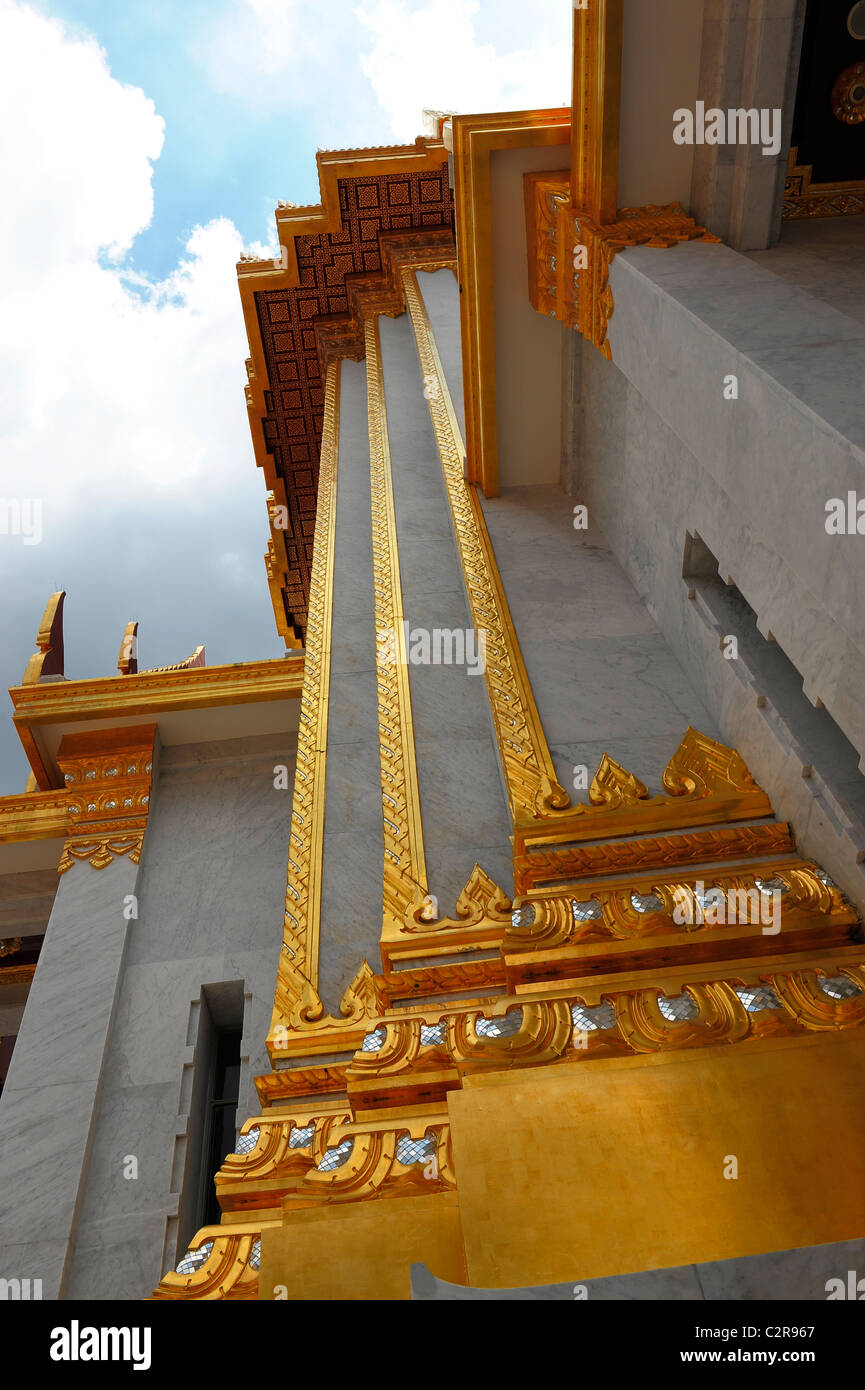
(221, 1120)
(211, 1127)
(829, 750)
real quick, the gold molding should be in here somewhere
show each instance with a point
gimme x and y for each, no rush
(802, 198)
(405, 877)
(303, 880)
(552, 863)
(526, 761)
(230, 1271)
(549, 920)
(33, 816)
(704, 782)
(579, 207)
(474, 140)
(596, 108)
(147, 693)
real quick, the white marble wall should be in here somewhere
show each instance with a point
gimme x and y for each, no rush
(661, 453)
(56, 1078)
(106, 1053)
(603, 675)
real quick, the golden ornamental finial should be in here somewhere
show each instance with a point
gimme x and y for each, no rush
(612, 785)
(127, 660)
(48, 659)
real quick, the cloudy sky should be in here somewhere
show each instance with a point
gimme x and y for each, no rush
(143, 145)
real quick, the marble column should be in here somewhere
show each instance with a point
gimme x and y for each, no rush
(54, 1082)
(750, 58)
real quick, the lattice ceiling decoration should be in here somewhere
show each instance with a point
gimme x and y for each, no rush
(287, 305)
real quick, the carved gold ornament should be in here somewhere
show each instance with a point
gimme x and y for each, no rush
(108, 776)
(570, 253)
(804, 198)
(848, 95)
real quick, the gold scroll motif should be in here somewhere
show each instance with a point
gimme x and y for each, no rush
(229, 1272)
(278, 1169)
(725, 1006)
(604, 911)
(526, 761)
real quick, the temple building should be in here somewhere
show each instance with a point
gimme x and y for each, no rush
(505, 934)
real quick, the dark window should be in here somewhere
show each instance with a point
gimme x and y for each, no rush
(221, 1116)
(812, 727)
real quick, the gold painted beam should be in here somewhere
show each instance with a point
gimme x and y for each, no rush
(596, 108)
(474, 139)
(33, 816)
(574, 226)
(148, 693)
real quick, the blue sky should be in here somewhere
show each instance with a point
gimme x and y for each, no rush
(222, 157)
(143, 146)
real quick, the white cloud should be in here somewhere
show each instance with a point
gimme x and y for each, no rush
(121, 400)
(78, 146)
(110, 386)
(406, 54)
(451, 55)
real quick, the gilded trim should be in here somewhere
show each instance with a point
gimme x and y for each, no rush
(802, 198)
(33, 816)
(596, 108)
(405, 877)
(109, 777)
(474, 140)
(100, 853)
(149, 693)
(302, 918)
(526, 761)
(257, 275)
